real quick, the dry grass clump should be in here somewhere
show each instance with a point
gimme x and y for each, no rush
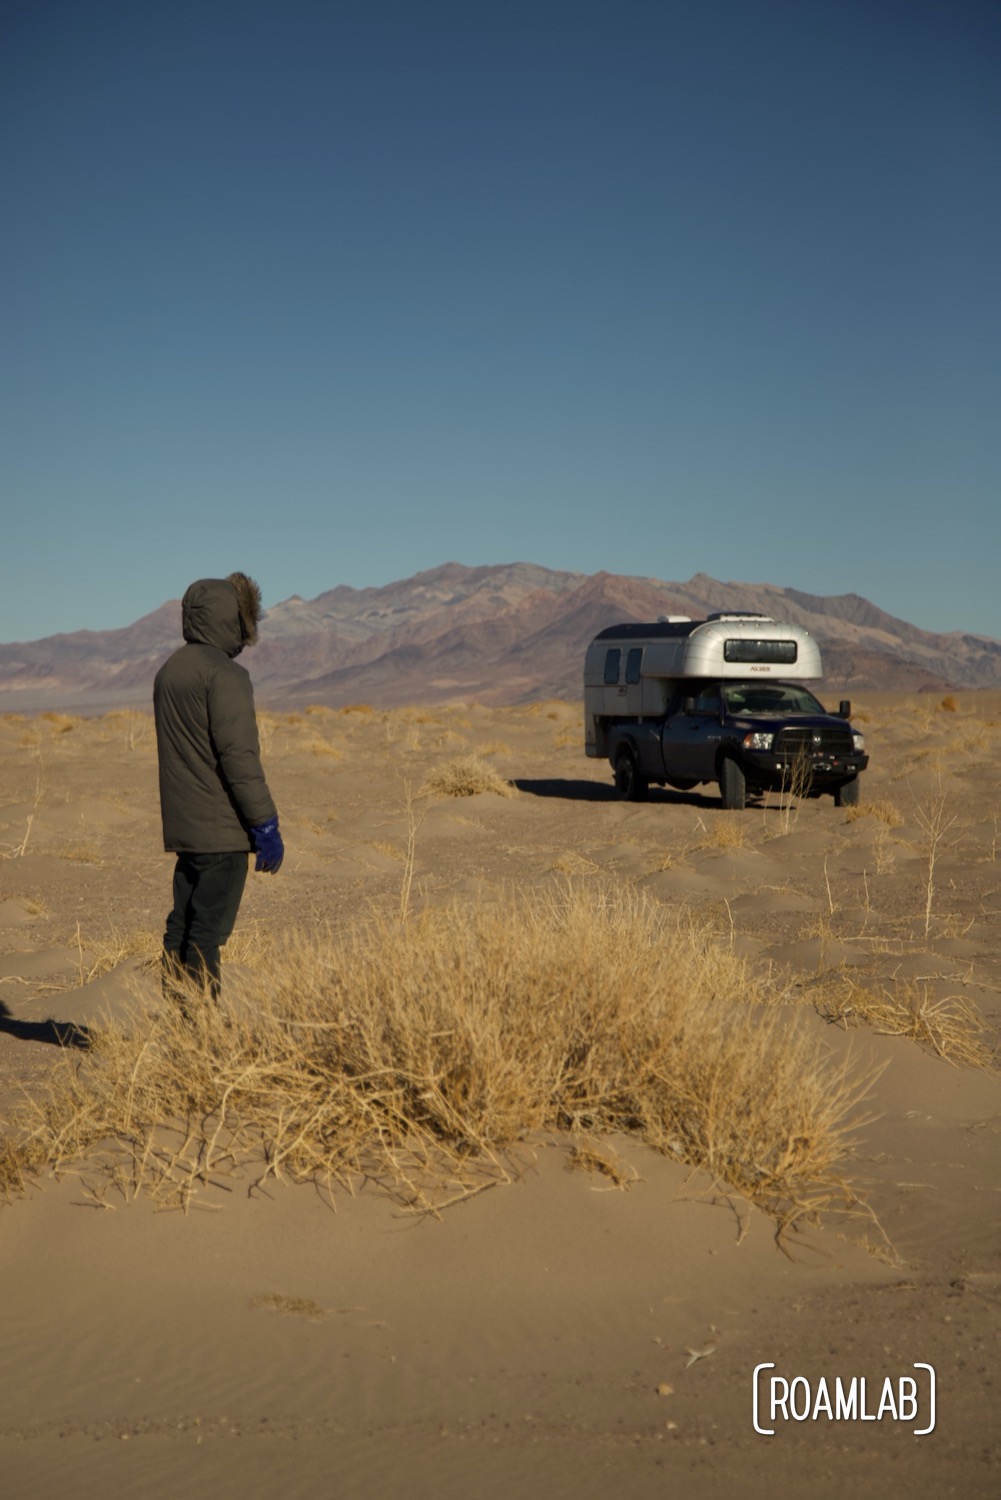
(392, 851)
(291, 1307)
(321, 747)
(98, 956)
(59, 723)
(952, 1027)
(949, 704)
(572, 863)
(420, 1053)
(726, 833)
(465, 777)
(549, 708)
(137, 727)
(414, 715)
(20, 1163)
(876, 807)
(604, 1161)
(971, 737)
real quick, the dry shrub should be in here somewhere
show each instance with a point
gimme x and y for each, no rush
(572, 863)
(876, 807)
(415, 715)
(953, 1028)
(291, 1307)
(937, 824)
(392, 851)
(549, 708)
(80, 854)
(137, 727)
(949, 704)
(357, 708)
(20, 1163)
(971, 737)
(317, 746)
(465, 777)
(60, 723)
(250, 944)
(421, 1053)
(100, 955)
(604, 1161)
(797, 780)
(725, 833)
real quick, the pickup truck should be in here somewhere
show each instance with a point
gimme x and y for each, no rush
(684, 703)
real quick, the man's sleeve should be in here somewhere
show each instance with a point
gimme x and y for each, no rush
(233, 727)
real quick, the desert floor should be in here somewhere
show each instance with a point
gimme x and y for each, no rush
(537, 1339)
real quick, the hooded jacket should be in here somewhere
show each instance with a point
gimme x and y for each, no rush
(212, 786)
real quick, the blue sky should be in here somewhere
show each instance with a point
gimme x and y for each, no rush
(336, 292)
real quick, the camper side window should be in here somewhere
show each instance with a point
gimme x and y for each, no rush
(633, 662)
(612, 660)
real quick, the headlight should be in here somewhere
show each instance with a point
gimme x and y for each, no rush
(758, 741)
(858, 740)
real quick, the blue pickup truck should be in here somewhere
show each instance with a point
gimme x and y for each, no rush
(683, 702)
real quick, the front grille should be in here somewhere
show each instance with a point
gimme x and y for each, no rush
(790, 744)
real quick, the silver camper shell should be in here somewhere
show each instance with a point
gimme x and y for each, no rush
(632, 671)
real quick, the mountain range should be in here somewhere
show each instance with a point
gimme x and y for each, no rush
(506, 634)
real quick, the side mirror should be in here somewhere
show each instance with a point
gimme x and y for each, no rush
(845, 710)
(689, 705)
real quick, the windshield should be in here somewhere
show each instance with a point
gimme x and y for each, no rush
(771, 698)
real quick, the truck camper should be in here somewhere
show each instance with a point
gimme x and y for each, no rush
(682, 702)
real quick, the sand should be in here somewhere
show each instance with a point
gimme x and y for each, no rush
(537, 1339)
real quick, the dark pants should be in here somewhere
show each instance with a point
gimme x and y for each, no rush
(207, 892)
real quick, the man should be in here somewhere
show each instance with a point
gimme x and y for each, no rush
(214, 800)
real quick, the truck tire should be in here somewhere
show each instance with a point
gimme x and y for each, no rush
(630, 783)
(732, 785)
(848, 793)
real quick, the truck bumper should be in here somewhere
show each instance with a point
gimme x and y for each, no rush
(822, 771)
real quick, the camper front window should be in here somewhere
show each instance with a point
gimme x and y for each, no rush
(771, 651)
(612, 660)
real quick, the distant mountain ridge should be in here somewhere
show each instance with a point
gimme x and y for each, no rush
(504, 634)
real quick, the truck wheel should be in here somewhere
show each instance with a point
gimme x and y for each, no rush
(732, 785)
(629, 782)
(848, 793)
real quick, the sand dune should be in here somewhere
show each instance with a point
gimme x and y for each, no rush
(537, 1339)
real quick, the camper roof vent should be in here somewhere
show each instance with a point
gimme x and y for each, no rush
(674, 619)
(739, 614)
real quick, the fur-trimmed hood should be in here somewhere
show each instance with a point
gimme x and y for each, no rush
(248, 599)
(222, 612)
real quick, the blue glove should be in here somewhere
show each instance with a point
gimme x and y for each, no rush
(269, 846)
